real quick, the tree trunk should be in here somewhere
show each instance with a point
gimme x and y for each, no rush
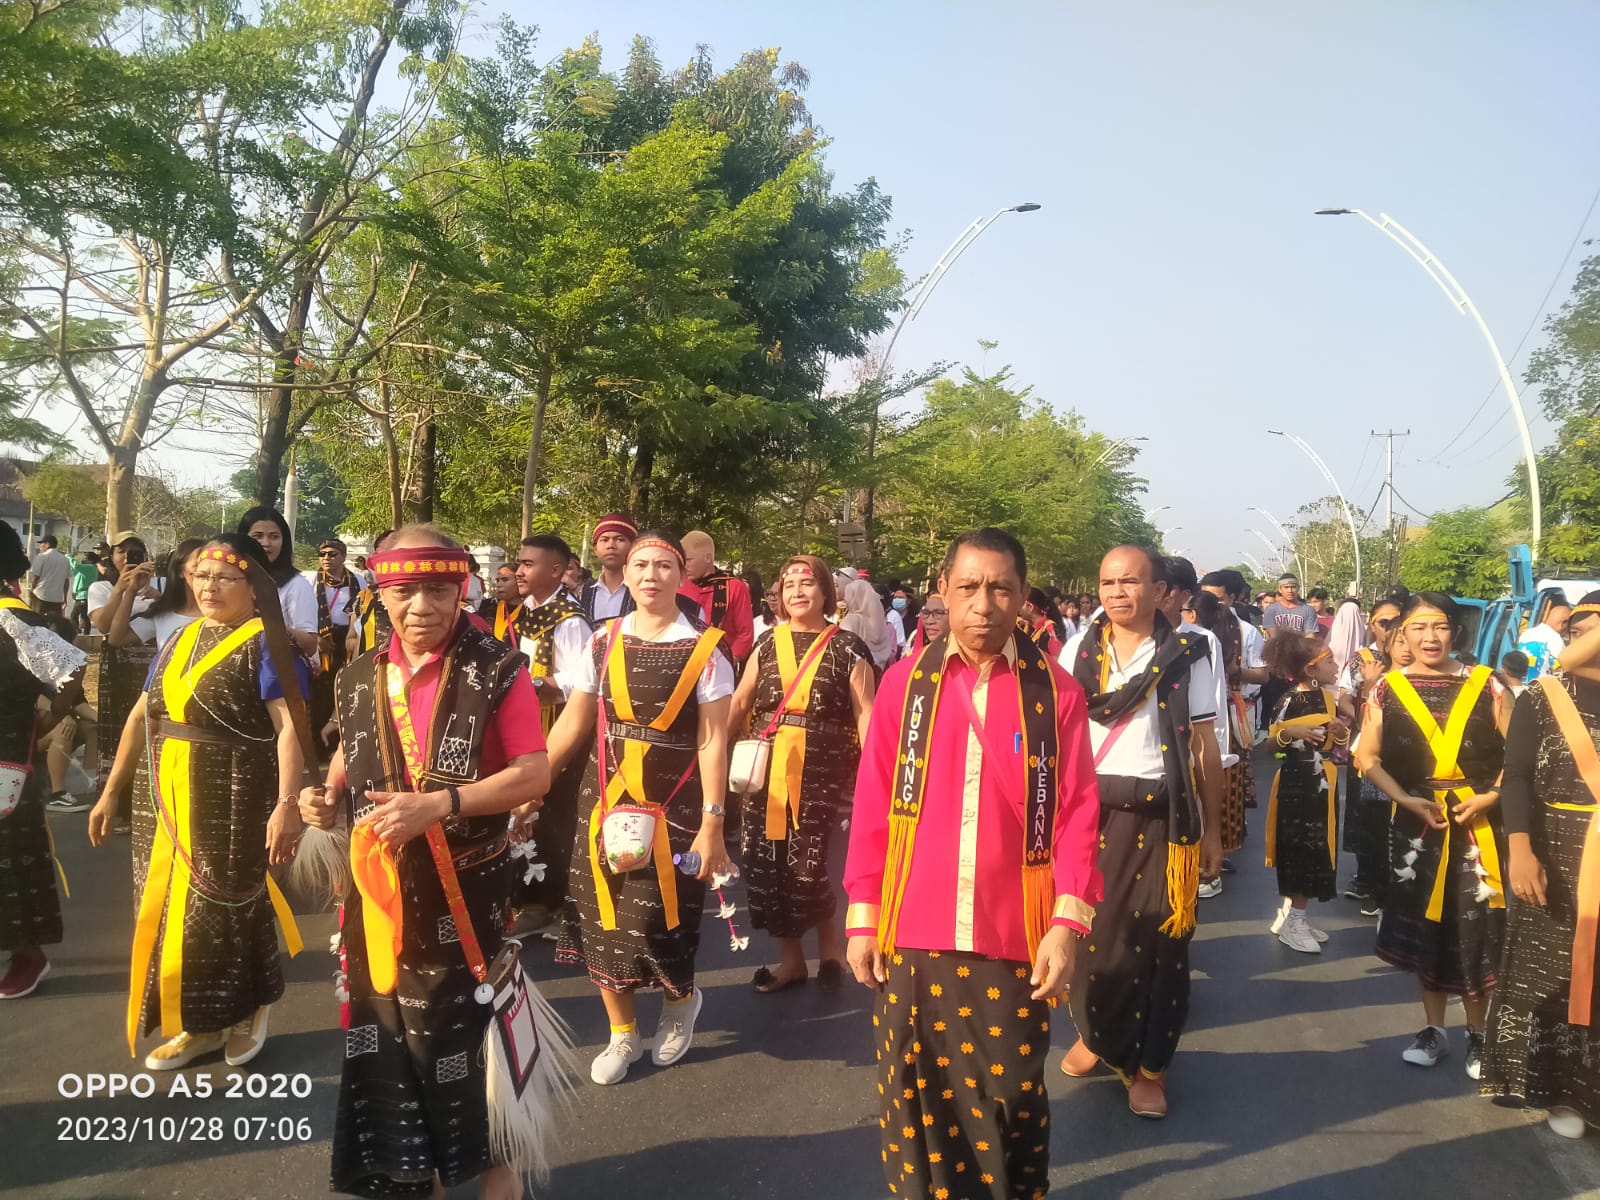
(530, 478)
(427, 471)
(644, 464)
(121, 474)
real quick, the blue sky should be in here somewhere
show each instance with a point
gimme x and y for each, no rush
(1175, 284)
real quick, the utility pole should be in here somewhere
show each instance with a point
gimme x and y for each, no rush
(1388, 502)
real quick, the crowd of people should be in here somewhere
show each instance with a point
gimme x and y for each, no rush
(1039, 790)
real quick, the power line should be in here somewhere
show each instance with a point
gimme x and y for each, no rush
(1526, 333)
(1426, 516)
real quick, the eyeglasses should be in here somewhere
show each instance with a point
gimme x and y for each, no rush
(1384, 622)
(207, 577)
(326, 553)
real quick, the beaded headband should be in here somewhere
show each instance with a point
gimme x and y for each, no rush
(654, 543)
(801, 569)
(222, 554)
(418, 564)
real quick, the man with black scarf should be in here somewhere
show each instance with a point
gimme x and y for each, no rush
(1152, 710)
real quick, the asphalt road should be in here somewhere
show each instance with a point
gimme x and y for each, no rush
(1289, 1083)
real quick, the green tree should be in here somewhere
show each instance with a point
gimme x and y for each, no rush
(1462, 553)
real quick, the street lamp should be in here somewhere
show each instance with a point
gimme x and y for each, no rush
(1255, 563)
(1271, 548)
(1156, 512)
(1355, 536)
(1300, 563)
(1114, 447)
(1457, 295)
(946, 260)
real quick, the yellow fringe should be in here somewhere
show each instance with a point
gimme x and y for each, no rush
(1038, 903)
(896, 872)
(1183, 890)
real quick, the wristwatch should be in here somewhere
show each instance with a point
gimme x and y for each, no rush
(455, 799)
(713, 810)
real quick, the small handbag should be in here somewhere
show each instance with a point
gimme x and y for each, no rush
(750, 760)
(13, 778)
(627, 836)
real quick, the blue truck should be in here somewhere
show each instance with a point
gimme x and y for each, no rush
(1492, 627)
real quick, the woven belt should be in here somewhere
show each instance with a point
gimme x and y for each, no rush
(813, 724)
(643, 733)
(194, 733)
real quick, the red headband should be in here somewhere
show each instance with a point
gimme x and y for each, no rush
(799, 568)
(615, 523)
(223, 554)
(418, 564)
(659, 544)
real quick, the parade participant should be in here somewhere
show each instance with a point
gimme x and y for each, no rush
(124, 596)
(1152, 704)
(1367, 823)
(268, 527)
(438, 742)
(1514, 671)
(1544, 642)
(551, 629)
(1242, 667)
(216, 775)
(1302, 815)
(933, 622)
(864, 617)
(656, 774)
(608, 596)
(1039, 620)
(766, 612)
(1432, 742)
(369, 624)
(1543, 1014)
(971, 877)
(30, 910)
(84, 572)
(1290, 614)
(51, 572)
(723, 600)
(499, 610)
(807, 691)
(170, 612)
(335, 589)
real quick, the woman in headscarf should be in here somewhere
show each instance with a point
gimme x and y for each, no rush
(30, 911)
(658, 770)
(1432, 740)
(216, 778)
(1348, 635)
(864, 616)
(268, 529)
(933, 622)
(807, 689)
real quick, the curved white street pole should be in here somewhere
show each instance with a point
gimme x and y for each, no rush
(1349, 518)
(954, 251)
(1255, 562)
(1300, 563)
(1115, 446)
(1272, 549)
(1457, 295)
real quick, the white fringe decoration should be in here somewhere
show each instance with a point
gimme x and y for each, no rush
(1410, 858)
(1485, 891)
(321, 867)
(1405, 874)
(522, 1132)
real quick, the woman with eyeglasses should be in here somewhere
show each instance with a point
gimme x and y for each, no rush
(1366, 822)
(216, 783)
(933, 622)
(1433, 741)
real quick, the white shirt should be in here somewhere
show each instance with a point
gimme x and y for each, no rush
(1219, 680)
(1252, 655)
(716, 681)
(474, 590)
(166, 626)
(566, 647)
(1543, 646)
(143, 628)
(897, 629)
(1136, 753)
(52, 576)
(338, 597)
(299, 603)
(607, 603)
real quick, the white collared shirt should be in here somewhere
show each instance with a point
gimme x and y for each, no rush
(1219, 681)
(1136, 753)
(607, 603)
(716, 681)
(566, 646)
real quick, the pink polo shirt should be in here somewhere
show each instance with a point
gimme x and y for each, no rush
(513, 730)
(964, 891)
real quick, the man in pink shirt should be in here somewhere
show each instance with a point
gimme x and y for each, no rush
(971, 876)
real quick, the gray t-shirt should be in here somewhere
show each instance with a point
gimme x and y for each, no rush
(52, 576)
(1289, 618)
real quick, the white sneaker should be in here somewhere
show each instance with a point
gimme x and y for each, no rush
(1211, 889)
(1428, 1048)
(247, 1037)
(676, 1032)
(1565, 1122)
(611, 1064)
(1296, 935)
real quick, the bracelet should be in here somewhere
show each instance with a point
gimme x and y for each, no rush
(455, 799)
(294, 800)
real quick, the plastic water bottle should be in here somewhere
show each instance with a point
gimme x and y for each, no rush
(688, 862)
